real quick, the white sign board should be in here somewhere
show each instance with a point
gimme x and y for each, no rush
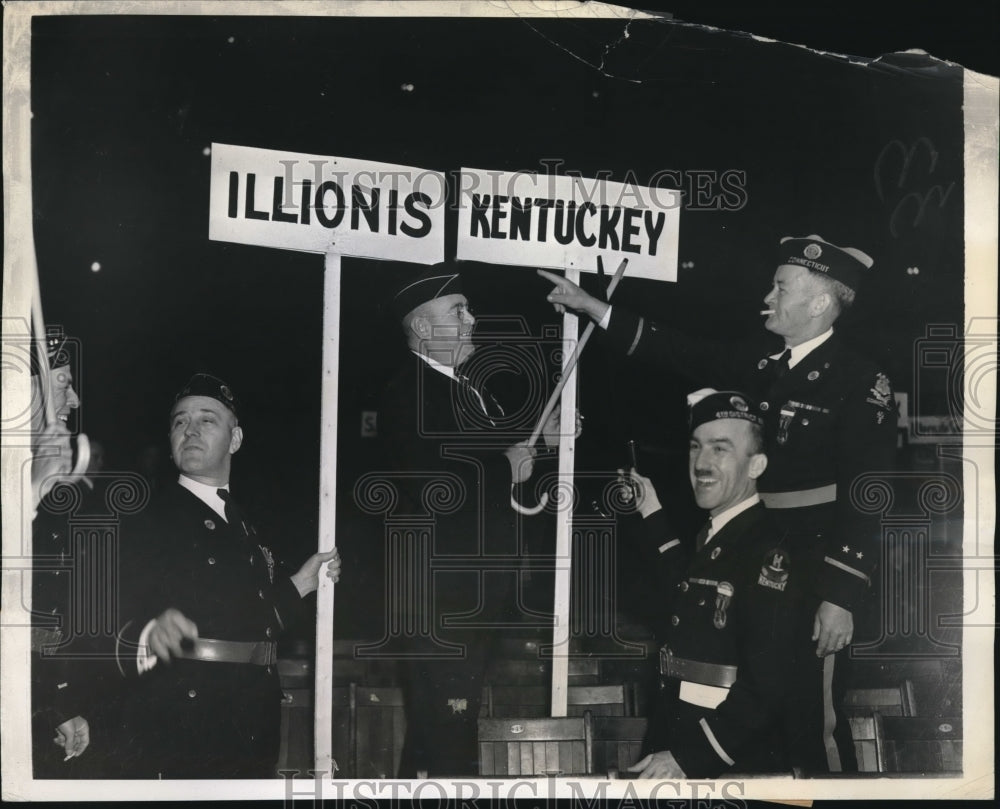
(545, 220)
(326, 204)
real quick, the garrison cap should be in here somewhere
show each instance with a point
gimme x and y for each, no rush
(844, 264)
(210, 386)
(59, 349)
(708, 404)
(434, 282)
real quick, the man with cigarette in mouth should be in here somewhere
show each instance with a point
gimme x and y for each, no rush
(830, 417)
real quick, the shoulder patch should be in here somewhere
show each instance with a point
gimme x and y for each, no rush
(774, 572)
(881, 393)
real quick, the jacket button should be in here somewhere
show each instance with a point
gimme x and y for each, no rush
(701, 602)
(684, 586)
(674, 620)
(260, 594)
(268, 632)
(764, 406)
(192, 693)
(211, 560)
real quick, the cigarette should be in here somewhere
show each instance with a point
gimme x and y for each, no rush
(767, 311)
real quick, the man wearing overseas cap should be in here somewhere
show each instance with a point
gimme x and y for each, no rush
(442, 427)
(830, 416)
(203, 603)
(732, 600)
(61, 704)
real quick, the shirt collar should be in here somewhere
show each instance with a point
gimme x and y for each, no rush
(447, 370)
(209, 495)
(800, 351)
(719, 520)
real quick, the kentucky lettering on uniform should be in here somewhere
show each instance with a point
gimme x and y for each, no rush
(329, 203)
(615, 227)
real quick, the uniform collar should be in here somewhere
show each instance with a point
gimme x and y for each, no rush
(209, 495)
(802, 350)
(447, 370)
(719, 521)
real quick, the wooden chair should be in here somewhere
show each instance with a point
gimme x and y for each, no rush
(529, 746)
(918, 744)
(617, 743)
(380, 730)
(893, 701)
(600, 700)
(503, 701)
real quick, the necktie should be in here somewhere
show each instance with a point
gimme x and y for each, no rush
(704, 535)
(781, 363)
(234, 514)
(486, 401)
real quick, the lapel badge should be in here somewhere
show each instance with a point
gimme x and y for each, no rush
(210, 525)
(270, 561)
(715, 552)
(813, 376)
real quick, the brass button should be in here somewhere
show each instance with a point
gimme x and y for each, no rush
(701, 602)
(211, 560)
(764, 406)
(684, 586)
(192, 693)
(674, 620)
(268, 632)
(260, 594)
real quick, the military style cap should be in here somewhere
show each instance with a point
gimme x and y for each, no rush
(210, 386)
(434, 282)
(59, 349)
(844, 264)
(708, 404)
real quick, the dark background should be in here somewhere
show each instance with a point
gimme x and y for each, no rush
(124, 107)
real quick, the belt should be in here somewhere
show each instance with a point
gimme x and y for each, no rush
(262, 653)
(714, 674)
(800, 499)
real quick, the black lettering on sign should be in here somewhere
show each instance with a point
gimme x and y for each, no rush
(393, 210)
(306, 201)
(421, 216)
(479, 206)
(277, 214)
(234, 194)
(654, 229)
(564, 224)
(520, 219)
(496, 215)
(630, 229)
(321, 215)
(587, 240)
(608, 234)
(361, 206)
(543, 206)
(249, 211)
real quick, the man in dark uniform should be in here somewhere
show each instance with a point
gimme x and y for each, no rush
(454, 465)
(204, 602)
(830, 417)
(730, 647)
(60, 706)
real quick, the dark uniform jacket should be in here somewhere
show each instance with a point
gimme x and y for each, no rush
(74, 553)
(193, 718)
(732, 606)
(447, 465)
(828, 420)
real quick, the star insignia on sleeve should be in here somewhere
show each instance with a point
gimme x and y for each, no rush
(846, 549)
(859, 554)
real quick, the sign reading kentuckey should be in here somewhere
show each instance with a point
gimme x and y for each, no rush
(326, 204)
(544, 220)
